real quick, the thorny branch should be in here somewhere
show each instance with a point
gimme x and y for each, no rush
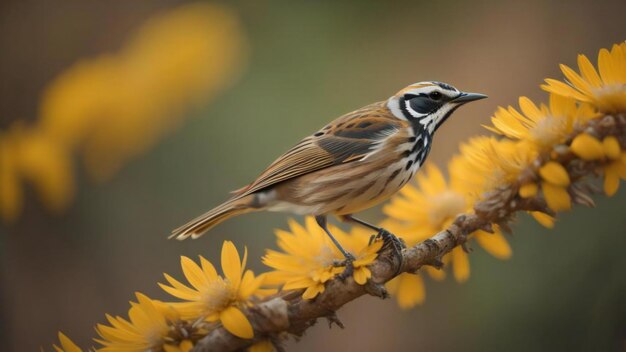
(288, 313)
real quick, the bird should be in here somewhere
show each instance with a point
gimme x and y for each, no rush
(353, 163)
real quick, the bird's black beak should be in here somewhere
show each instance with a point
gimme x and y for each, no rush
(467, 97)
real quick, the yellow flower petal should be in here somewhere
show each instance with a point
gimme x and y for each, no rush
(554, 173)
(236, 323)
(543, 218)
(460, 264)
(611, 179)
(408, 289)
(528, 190)
(557, 197)
(185, 346)
(576, 80)
(312, 291)
(231, 263)
(529, 109)
(178, 289)
(171, 348)
(587, 147)
(361, 275)
(262, 346)
(436, 274)
(67, 344)
(494, 243)
(560, 88)
(611, 148)
(193, 273)
(588, 71)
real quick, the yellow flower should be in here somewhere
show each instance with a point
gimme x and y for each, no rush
(420, 212)
(116, 106)
(605, 88)
(608, 152)
(542, 127)
(67, 345)
(215, 298)
(147, 328)
(309, 257)
(486, 163)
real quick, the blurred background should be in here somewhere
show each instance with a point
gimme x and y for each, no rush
(187, 101)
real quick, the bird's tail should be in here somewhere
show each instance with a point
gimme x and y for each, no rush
(198, 226)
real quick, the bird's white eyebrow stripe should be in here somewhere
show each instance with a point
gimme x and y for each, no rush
(445, 86)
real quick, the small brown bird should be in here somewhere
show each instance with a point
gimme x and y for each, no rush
(353, 163)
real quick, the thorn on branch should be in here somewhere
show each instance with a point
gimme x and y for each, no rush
(376, 290)
(435, 263)
(334, 319)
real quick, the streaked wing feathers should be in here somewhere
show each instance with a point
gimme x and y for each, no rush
(350, 137)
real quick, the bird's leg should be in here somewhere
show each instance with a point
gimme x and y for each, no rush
(321, 221)
(387, 237)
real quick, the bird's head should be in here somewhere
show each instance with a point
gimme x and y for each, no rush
(429, 103)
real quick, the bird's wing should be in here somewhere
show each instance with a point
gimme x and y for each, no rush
(351, 137)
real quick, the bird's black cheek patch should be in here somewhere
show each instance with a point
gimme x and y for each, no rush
(424, 105)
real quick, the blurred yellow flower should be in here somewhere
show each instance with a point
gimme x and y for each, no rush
(309, 258)
(31, 155)
(215, 298)
(11, 196)
(608, 152)
(147, 328)
(408, 289)
(67, 345)
(420, 212)
(116, 106)
(604, 88)
(542, 127)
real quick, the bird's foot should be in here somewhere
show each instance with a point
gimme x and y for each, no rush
(349, 267)
(392, 246)
(389, 240)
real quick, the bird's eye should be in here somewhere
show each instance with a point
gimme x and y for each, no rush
(435, 95)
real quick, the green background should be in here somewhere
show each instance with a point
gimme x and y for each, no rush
(563, 289)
